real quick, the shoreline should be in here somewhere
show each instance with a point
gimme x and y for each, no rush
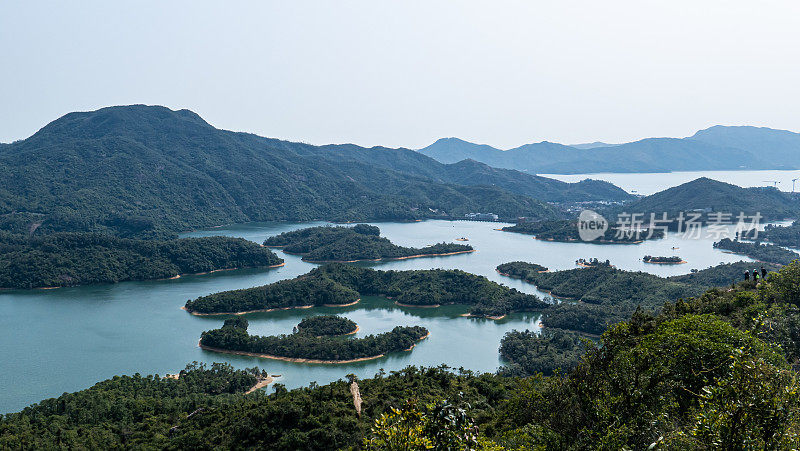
(420, 306)
(261, 383)
(301, 360)
(496, 318)
(275, 309)
(445, 254)
(666, 263)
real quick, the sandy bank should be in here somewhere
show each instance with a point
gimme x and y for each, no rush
(665, 263)
(420, 306)
(389, 258)
(262, 382)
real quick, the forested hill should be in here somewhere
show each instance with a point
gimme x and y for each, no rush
(348, 244)
(67, 259)
(715, 196)
(147, 170)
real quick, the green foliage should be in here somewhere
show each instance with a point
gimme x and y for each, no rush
(322, 325)
(547, 352)
(440, 426)
(788, 236)
(754, 406)
(66, 259)
(361, 242)
(768, 253)
(128, 411)
(339, 283)
(141, 171)
(233, 336)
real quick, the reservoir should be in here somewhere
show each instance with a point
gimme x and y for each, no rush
(66, 339)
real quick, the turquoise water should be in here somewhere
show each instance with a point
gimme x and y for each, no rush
(63, 340)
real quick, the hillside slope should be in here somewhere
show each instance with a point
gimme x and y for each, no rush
(147, 170)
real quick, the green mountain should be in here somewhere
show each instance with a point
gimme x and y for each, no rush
(716, 148)
(147, 170)
(705, 193)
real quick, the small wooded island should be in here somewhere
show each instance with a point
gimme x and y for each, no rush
(566, 231)
(327, 325)
(306, 347)
(68, 259)
(767, 253)
(349, 244)
(674, 260)
(339, 284)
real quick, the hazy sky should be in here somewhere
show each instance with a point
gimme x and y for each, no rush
(404, 73)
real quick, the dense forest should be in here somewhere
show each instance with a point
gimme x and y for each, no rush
(767, 253)
(233, 336)
(338, 283)
(549, 351)
(149, 172)
(344, 244)
(67, 259)
(609, 295)
(788, 236)
(324, 325)
(711, 372)
(567, 231)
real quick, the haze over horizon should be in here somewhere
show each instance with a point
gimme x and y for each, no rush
(405, 75)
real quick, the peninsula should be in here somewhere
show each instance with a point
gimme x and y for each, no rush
(350, 244)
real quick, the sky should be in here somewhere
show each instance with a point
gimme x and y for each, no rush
(405, 73)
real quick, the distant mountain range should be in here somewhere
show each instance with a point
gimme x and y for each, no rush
(148, 170)
(715, 148)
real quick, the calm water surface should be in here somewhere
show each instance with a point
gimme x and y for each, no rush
(63, 340)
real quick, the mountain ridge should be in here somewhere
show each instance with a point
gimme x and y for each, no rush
(714, 148)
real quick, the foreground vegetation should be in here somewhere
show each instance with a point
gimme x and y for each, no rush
(340, 284)
(567, 231)
(345, 244)
(233, 337)
(710, 372)
(67, 259)
(767, 253)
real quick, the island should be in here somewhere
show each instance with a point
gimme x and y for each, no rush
(339, 284)
(592, 263)
(674, 260)
(767, 253)
(232, 338)
(350, 244)
(548, 351)
(327, 325)
(73, 258)
(566, 231)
